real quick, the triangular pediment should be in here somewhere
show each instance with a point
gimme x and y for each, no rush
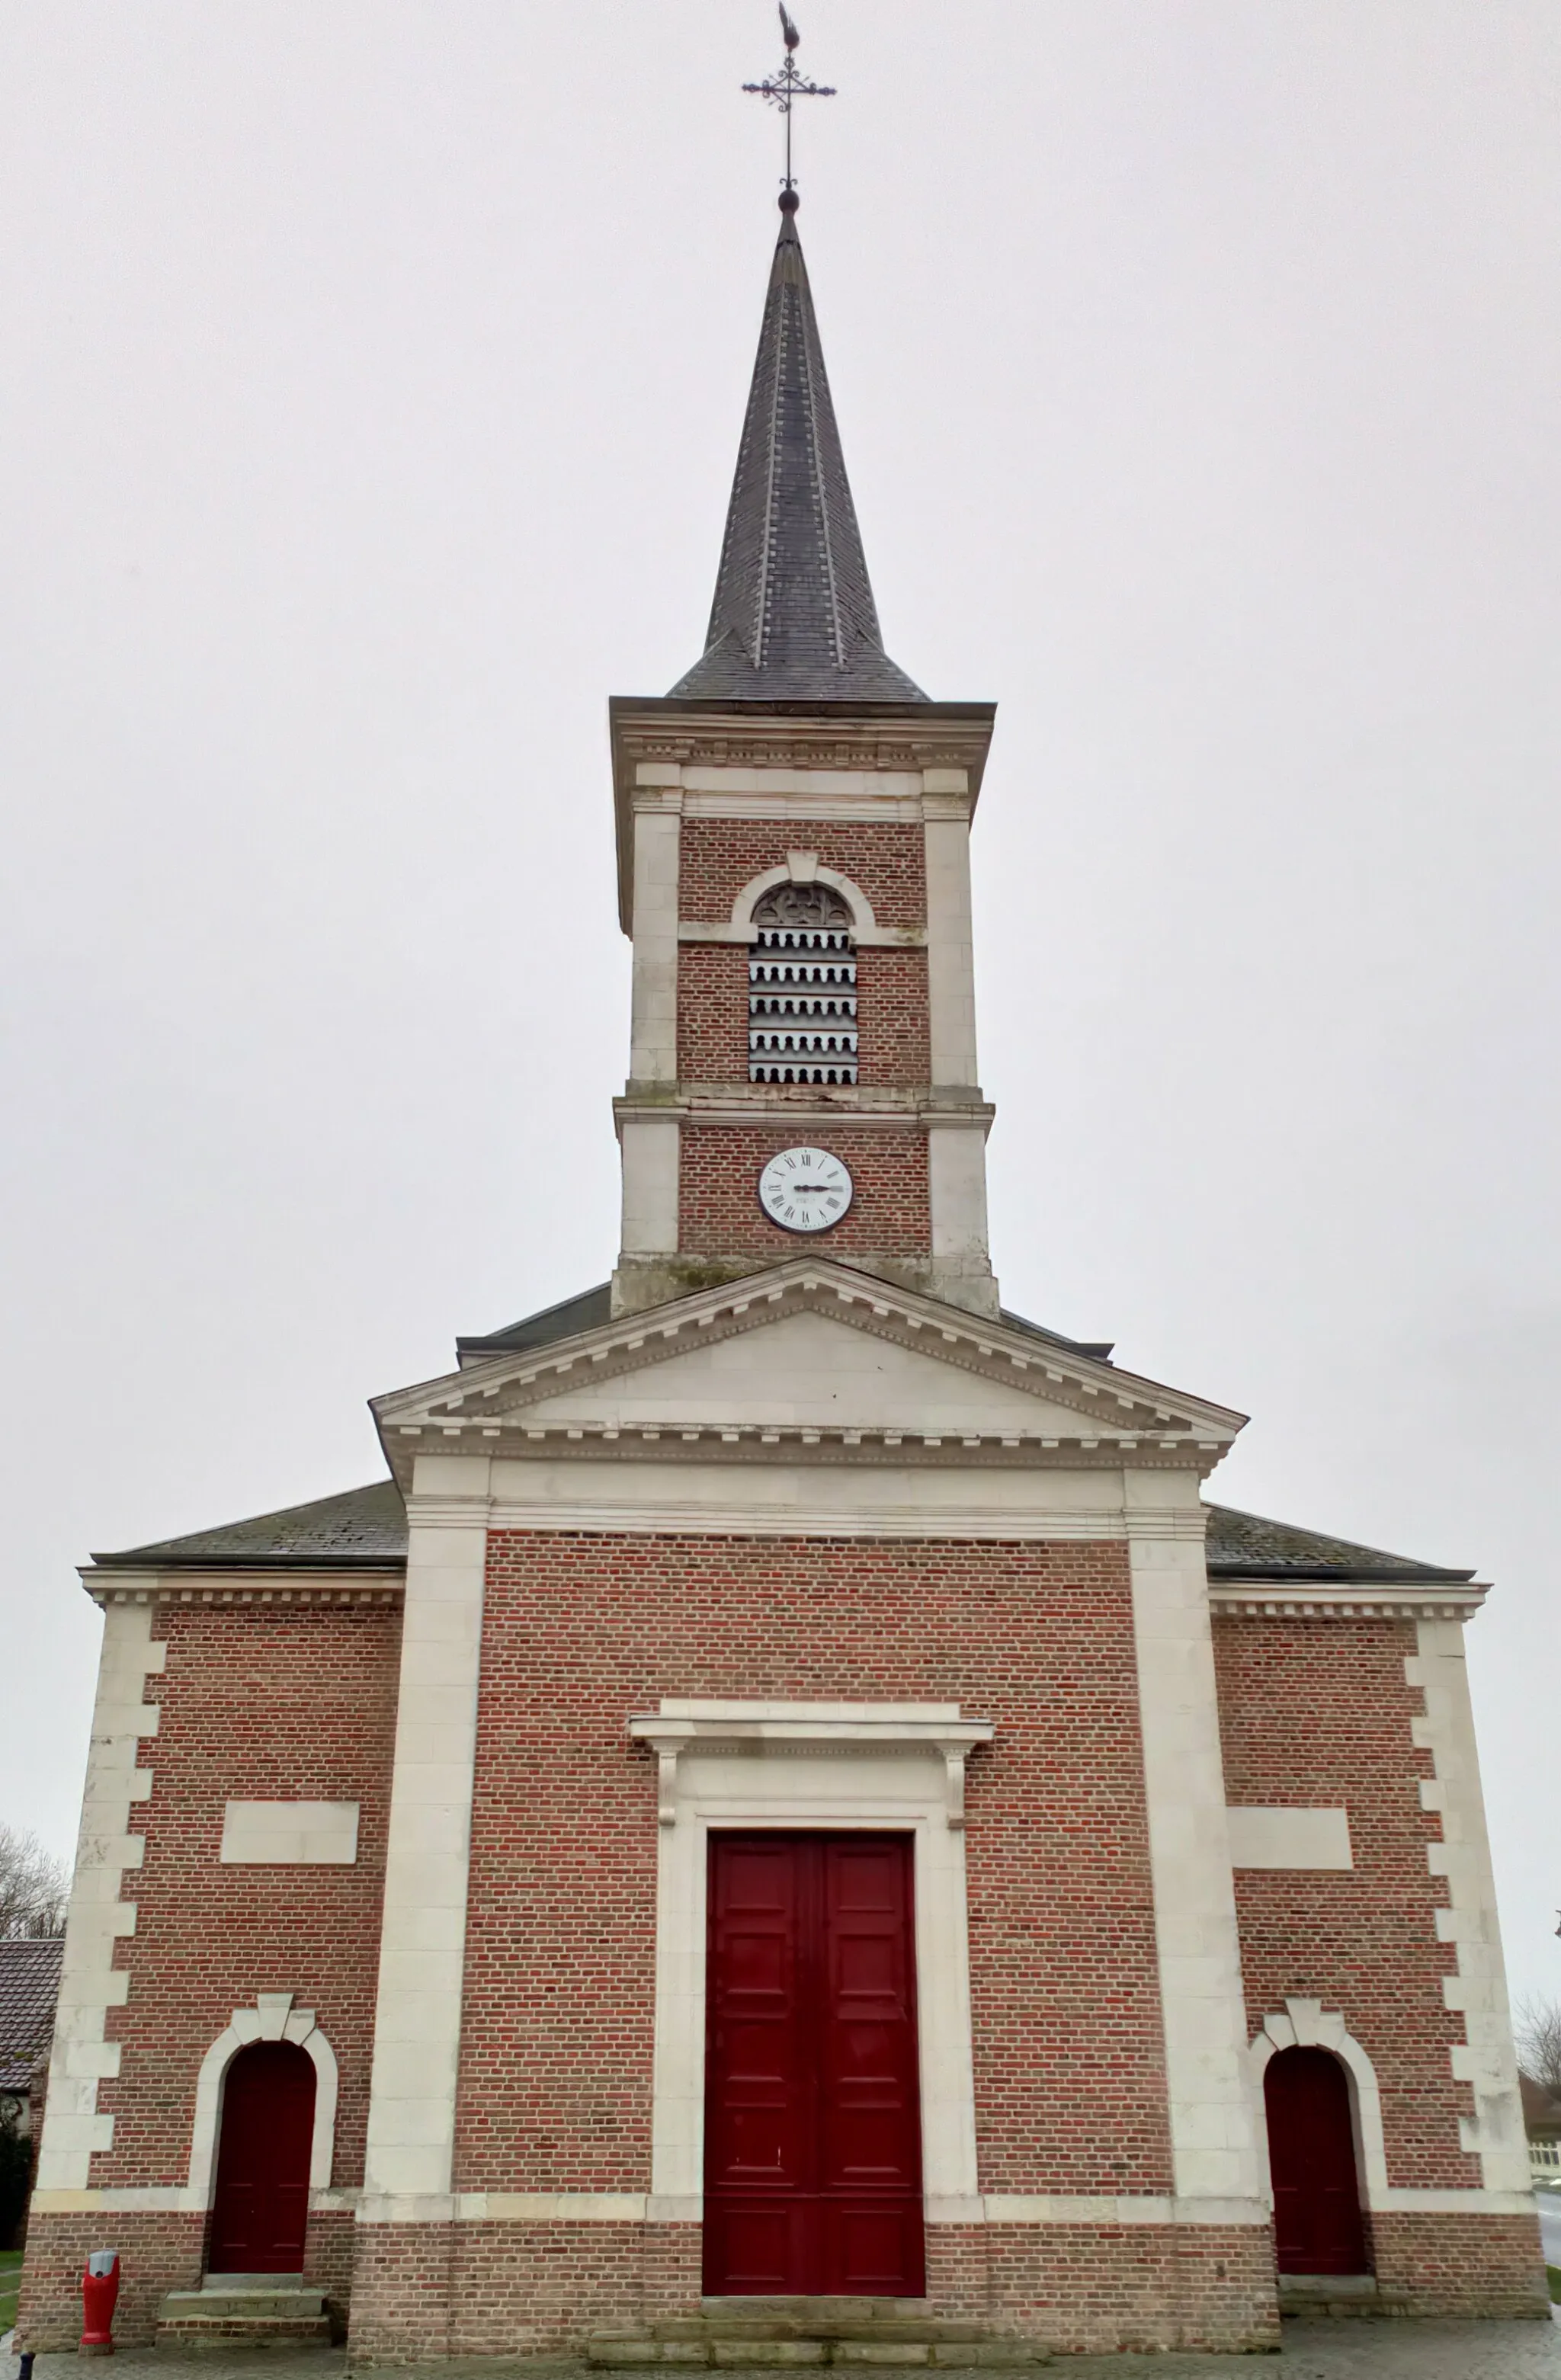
(808, 1352)
(809, 1368)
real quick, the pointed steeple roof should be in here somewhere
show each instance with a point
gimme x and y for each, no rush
(793, 617)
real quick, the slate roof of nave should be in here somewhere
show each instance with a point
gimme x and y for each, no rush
(1243, 1544)
(363, 1530)
(30, 1987)
(366, 1529)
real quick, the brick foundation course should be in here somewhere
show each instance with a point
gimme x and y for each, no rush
(423, 2291)
(1463, 2268)
(157, 2252)
(427, 2292)
(1095, 2288)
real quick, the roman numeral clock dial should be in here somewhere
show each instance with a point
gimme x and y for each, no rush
(804, 1189)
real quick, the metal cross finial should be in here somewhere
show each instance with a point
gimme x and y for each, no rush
(781, 88)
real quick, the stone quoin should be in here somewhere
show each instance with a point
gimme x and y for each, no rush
(786, 1788)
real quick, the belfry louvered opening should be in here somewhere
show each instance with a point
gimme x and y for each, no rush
(802, 988)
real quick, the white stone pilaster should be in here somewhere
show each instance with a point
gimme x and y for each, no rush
(1216, 2155)
(407, 2165)
(97, 1917)
(957, 1197)
(651, 1150)
(1486, 2059)
(657, 837)
(951, 982)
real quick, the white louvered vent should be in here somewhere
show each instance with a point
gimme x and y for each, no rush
(802, 988)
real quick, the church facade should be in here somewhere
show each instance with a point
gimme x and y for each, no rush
(786, 1827)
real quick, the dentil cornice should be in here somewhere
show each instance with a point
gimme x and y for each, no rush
(1121, 1418)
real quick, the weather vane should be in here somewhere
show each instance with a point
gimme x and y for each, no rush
(781, 88)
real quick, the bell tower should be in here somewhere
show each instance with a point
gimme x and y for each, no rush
(793, 831)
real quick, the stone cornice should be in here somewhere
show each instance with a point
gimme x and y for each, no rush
(246, 1584)
(799, 1106)
(716, 1442)
(811, 1729)
(669, 735)
(866, 938)
(1362, 1599)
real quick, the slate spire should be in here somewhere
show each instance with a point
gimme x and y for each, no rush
(793, 618)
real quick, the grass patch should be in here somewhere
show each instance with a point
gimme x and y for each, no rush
(1553, 2275)
(10, 2282)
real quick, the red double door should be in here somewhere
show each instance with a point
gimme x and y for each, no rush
(812, 2115)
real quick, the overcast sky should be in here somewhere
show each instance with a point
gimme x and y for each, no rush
(373, 373)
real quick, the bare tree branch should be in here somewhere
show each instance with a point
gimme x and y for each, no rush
(1537, 2025)
(34, 1886)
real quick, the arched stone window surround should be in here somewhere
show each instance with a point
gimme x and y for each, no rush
(272, 2018)
(1306, 2024)
(802, 868)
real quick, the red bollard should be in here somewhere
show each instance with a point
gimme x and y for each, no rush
(99, 2292)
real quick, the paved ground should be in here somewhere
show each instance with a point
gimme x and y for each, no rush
(1388, 2351)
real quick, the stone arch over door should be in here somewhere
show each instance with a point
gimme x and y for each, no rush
(1307, 2024)
(270, 2016)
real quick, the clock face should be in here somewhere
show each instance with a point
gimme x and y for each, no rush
(804, 1189)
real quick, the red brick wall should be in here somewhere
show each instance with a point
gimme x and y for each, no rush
(892, 1018)
(1313, 1713)
(718, 856)
(260, 1701)
(713, 1012)
(579, 1631)
(712, 1015)
(719, 1214)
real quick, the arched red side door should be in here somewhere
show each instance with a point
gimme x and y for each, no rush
(1317, 2221)
(261, 2204)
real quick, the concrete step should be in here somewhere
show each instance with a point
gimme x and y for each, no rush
(257, 2313)
(1342, 2297)
(765, 2345)
(845, 2325)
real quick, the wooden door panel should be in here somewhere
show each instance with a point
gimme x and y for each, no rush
(875, 2251)
(753, 2137)
(871, 2117)
(812, 2127)
(753, 2247)
(1318, 2226)
(260, 2209)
